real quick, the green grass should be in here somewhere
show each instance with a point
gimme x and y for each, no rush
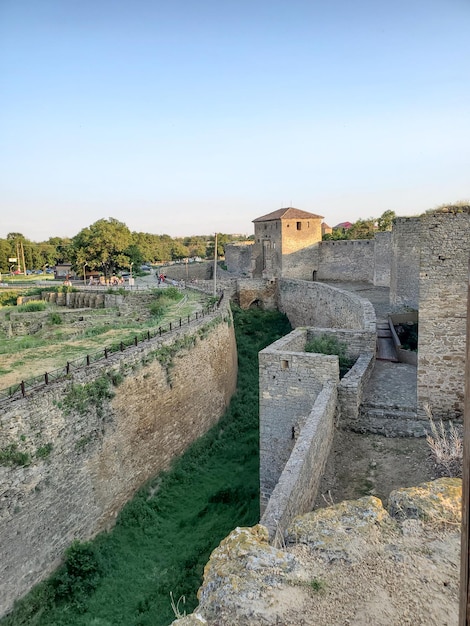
(164, 536)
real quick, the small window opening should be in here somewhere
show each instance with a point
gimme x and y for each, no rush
(299, 225)
(285, 365)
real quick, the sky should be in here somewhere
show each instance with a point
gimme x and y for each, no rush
(190, 117)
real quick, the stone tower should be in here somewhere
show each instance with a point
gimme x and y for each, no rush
(281, 240)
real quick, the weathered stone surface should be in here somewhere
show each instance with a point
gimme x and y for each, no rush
(348, 564)
(438, 501)
(101, 455)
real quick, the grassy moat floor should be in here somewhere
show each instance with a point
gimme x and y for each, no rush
(164, 536)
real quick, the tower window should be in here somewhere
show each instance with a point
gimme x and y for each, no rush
(299, 225)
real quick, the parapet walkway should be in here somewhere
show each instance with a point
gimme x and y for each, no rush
(391, 392)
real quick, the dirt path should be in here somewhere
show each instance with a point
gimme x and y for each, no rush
(365, 464)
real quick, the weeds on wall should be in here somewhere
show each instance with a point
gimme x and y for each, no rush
(163, 537)
(11, 456)
(329, 344)
(80, 397)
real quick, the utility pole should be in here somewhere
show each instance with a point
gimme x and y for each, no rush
(215, 266)
(22, 256)
(464, 612)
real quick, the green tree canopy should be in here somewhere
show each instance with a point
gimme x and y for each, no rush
(385, 221)
(102, 246)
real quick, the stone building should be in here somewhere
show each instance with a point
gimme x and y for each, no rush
(282, 239)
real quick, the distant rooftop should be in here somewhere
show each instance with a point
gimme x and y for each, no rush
(289, 213)
(344, 225)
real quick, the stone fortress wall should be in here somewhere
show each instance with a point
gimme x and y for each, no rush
(404, 271)
(302, 398)
(443, 281)
(425, 260)
(88, 459)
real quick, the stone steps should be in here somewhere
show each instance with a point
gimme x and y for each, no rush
(387, 411)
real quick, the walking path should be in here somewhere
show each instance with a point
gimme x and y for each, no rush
(392, 386)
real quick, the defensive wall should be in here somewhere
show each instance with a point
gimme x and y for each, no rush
(302, 398)
(405, 259)
(256, 292)
(301, 264)
(443, 283)
(315, 304)
(93, 439)
(238, 258)
(382, 259)
(347, 260)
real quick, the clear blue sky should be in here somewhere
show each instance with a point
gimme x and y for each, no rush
(188, 117)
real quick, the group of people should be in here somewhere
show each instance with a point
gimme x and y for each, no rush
(113, 281)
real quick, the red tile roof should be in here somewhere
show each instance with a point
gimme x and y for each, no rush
(288, 213)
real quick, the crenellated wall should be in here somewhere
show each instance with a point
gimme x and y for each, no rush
(347, 260)
(88, 457)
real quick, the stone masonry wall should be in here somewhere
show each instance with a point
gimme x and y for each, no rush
(301, 264)
(315, 304)
(298, 484)
(86, 462)
(289, 385)
(443, 282)
(404, 273)
(356, 342)
(238, 258)
(347, 260)
(188, 271)
(259, 291)
(382, 259)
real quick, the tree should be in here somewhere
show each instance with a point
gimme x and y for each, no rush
(362, 229)
(103, 246)
(222, 240)
(385, 220)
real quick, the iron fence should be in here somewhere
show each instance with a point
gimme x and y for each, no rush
(35, 383)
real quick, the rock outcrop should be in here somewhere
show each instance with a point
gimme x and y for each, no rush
(353, 564)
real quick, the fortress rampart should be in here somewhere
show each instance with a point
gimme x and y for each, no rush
(314, 304)
(347, 260)
(92, 444)
(404, 271)
(443, 282)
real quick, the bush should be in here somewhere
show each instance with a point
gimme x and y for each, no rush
(8, 298)
(79, 575)
(172, 293)
(55, 318)
(329, 344)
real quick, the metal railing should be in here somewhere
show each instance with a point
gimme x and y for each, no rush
(20, 389)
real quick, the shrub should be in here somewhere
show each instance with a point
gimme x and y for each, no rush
(55, 318)
(79, 575)
(446, 447)
(329, 344)
(172, 293)
(30, 307)
(8, 298)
